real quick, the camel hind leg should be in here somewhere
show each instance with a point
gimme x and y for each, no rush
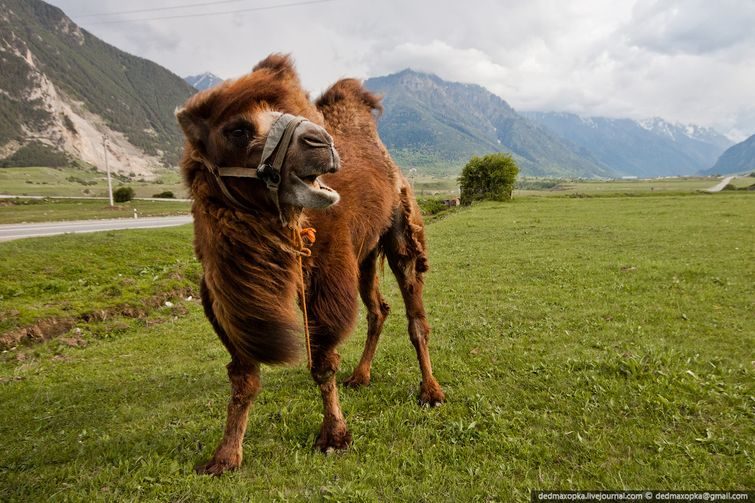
(377, 311)
(404, 247)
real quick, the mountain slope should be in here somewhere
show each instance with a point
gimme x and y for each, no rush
(640, 148)
(736, 159)
(64, 88)
(203, 81)
(436, 126)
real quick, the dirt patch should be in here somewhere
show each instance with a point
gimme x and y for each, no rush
(49, 328)
(38, 332)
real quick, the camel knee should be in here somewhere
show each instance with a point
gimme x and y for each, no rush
(245, 382)
(378, 313)
(324, 366)
(419, 329)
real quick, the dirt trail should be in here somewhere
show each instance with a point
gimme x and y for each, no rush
(720, 185)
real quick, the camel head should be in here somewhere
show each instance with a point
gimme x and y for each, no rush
(240, 129)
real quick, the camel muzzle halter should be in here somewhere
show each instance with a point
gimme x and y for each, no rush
(278, 142)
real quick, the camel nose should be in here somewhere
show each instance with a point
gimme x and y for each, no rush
(315, 136)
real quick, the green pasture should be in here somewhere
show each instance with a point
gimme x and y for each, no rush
(81, 182)
(48, 210)
(583, 343)
(437, 186)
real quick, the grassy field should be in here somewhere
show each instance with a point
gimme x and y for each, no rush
(635, 187)
(79, 182)
(426, 186)
(49, 210)
(583, 343)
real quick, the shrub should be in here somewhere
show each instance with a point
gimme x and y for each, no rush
(431, 206)
(165, 195)
(490, 177)
(123, 194)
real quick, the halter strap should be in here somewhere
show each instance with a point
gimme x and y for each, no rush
(278, 142)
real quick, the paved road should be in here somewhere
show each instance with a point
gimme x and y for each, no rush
(720, 185)
(18, 231)
(16, 196)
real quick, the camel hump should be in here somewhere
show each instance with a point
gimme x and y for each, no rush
(349, 92)
(278, 63)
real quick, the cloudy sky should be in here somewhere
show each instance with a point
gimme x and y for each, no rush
(691, 61)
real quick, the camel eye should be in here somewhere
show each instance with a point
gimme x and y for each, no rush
(239, 134)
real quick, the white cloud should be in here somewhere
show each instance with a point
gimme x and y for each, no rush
(684, 60)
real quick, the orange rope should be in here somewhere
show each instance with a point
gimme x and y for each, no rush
(299, 235)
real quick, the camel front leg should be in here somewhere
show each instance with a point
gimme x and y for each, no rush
(334, 435)
(245, 384)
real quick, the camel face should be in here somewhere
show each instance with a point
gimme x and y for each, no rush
(241, 140)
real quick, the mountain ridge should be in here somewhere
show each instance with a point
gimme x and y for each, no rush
(645, 148)
(203, 81)
(738, 158)
(436, 126)
(64, 88)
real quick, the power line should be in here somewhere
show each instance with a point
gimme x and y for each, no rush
(217, 13)
(185, 6)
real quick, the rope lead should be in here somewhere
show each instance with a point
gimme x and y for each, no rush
(299, 235)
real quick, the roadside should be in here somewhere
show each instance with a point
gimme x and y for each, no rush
(26, 210)
(19, 231)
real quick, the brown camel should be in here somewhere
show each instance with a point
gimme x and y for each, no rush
(247, 214)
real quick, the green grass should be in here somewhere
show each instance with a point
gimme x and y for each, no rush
(79, 182)
(665, 186)
(446, 186)
(593, 343)
(49, 210)
(73, 275)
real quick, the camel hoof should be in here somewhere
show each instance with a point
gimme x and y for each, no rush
(218, 466)
(431, 395)
(332, 439)
(357, 380)
(214, 468)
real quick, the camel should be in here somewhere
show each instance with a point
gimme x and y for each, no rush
(262, 162)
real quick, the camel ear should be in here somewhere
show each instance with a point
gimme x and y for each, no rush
(194, 127)
(282, 64)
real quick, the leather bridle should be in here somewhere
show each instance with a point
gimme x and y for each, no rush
(269, 168)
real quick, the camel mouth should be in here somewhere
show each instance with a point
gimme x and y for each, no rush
(314, 182)
(309, 192)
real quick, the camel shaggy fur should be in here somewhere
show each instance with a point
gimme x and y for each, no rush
(249, 252)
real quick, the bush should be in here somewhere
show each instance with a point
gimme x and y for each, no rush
(491, 177)
(123, 194)
(431, 206)
(165, 195)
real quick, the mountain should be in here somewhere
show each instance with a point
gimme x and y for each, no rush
(62, 89)
(648, 148)
(436, 126)
(203, 81)
(736, 159)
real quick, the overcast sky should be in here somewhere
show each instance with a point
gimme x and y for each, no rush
(691, 61)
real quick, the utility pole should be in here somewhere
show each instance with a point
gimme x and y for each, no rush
(107, 168)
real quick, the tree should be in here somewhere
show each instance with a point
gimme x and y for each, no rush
(490, 177)
(123, 194)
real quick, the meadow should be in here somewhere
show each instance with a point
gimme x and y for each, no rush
(82, 182)
(583, 343)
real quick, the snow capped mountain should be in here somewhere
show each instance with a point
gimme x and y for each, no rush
(203, 81)
(677, 131)
(650, 147)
